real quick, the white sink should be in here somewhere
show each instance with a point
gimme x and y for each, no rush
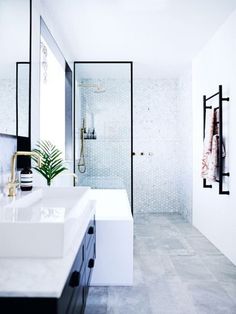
(23, 199)
(42, 223)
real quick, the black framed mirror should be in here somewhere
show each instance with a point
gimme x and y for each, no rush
(15, 67)
(55, 94)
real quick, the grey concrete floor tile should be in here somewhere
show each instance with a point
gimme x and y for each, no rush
(176, 271)
(97, 300)
(95, 309)
(191, 268)
(187, 230)
(171, 244)
(153, 230)
(202, 246)
(222, 268)
(230, 288)
(152, 219)
(175, 218)
(210, 298)
(157, 268)
(139, 275)
(130, 300)
(170, 297)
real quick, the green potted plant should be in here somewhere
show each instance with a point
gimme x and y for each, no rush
(51, 161)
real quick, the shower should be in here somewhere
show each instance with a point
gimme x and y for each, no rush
(97, 88)
(103, 125)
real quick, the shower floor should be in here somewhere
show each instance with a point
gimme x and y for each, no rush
(176, 271)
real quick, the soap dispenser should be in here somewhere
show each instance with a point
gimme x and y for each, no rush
(26, 179)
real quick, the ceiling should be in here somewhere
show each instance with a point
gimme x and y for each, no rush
(102, 71)
(160, 36)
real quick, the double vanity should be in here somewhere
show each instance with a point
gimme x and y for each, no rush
(47, 251)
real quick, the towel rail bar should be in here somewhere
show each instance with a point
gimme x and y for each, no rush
(212, 96)
(221, 158)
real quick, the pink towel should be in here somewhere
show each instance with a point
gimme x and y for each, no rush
(211, 148)
(212, 174)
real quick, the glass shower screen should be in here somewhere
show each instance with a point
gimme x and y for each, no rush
(103, 125)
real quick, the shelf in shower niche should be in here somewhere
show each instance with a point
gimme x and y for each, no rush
(89, 139)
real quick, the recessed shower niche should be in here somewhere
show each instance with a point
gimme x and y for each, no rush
(103, 125)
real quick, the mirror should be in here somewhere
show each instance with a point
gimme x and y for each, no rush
(22, 98)
(55, 94)
(15, 67)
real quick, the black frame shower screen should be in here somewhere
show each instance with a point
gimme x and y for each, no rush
(130, 152)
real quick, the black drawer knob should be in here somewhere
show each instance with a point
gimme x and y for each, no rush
(91, 230)
(74, 279)
(91, 263)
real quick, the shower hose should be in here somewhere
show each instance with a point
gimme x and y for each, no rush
(81, 163)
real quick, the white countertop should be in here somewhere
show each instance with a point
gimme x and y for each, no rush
(111, 204)
(42, 277)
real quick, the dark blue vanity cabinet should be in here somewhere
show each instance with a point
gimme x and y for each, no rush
(73, 299)
(75, 292)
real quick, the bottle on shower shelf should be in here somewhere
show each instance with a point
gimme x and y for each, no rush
(94, 134)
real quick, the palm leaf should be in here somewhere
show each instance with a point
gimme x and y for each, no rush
(51, 161)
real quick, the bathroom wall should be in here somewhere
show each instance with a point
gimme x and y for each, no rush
(155, 124)
(7, 147)
(159, 176)
(185, 133)
(213, 214)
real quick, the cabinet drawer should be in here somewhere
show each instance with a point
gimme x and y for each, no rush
(90, 233)
(77, 302)
(72, 283)
(90, 261)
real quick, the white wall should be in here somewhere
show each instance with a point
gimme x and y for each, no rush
(185, 134)
(213, 214)
(39, 10)
(8, 146)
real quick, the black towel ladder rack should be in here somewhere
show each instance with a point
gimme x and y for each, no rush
(222, 174)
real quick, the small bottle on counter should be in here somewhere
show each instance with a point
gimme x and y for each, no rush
(26, 179)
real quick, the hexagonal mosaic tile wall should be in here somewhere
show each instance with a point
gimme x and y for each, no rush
(162, 182)
(108, 161)
(162, 160)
